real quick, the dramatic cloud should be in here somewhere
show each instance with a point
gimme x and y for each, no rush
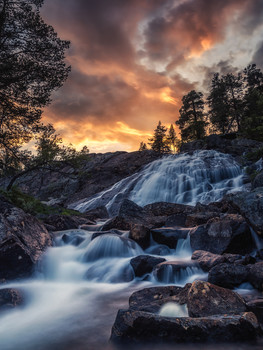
(133, 60)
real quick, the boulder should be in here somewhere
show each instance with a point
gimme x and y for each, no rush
(10, 298)
(169, 235)
(207, 260)
(139, 326)
(250, 205)
(230, 234)
(23, 240)
(140, 234)
(255, 276)
(197, 219)
(228, 275)
(117, 222)
(97, 213)
(167, 209)
(258, 181)
(66, 222)
(143, 264)
(206, 299)
(256, 306)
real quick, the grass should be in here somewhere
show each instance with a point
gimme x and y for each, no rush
(32, 205)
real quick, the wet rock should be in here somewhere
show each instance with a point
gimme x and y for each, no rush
(159, 250)
(117, 222)
(206, 299)
(169, 236)
(197, 219)
(101, 233)
(258, 181)
(256, 275)
(228, 275)
(138, 326)
(10, 298)
(171, 271)
(66, 222)
(230, 234)
(207, 260)
(152, 299)
(259, 254)
(167, 209)
(141, 235)
(256, 306)
(250, 205)
(23, 240)
(72, 239)
(97, 213)
(143, 264)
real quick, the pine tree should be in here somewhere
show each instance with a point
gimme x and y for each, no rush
(172, 139)
(158, 142)
(143, 146)
(191, 121)
(219, 108)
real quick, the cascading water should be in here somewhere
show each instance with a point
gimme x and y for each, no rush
(204, 176)
(81, 282)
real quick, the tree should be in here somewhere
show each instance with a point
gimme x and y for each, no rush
(219, 108)
(143, 146)
(31, 67)
(52, 155)
(172, 139)
(158, 142)
(191, 121)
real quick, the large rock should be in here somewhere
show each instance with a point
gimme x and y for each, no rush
(169, 236)
(168, 209)
(66, 222)
(250, 205)
(142, 321)
(143, 264)
(256, 275)
(207, 260)
(258, 181)
(206, 299)
(141, 235)
(228, 275)
(23, 239)
(230, 234)
(138, 326)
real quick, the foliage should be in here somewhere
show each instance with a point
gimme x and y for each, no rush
(159, 142)
(191, 121)
(172, 139)
(32, 205)
(31, 67)
(143, 146)
(254, 156)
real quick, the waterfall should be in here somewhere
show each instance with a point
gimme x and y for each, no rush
(203, 176)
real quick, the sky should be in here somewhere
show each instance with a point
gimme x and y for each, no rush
(132, 61)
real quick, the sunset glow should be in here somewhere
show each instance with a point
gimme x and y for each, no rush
(132, 61)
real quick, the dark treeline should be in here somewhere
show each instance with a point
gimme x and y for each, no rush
(234, 105)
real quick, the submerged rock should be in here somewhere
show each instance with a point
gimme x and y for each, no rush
(143, 264)
(23, 240)
(10, 298)
(169, 236)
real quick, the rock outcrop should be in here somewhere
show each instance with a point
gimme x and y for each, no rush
(23, 239)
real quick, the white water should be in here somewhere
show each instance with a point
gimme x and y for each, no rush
(77, 291)
(73, 299)
(204, 176)
(173, 310)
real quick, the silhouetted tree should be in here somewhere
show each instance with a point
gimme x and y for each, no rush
(143, 146)
(191, 121)
(158, 142)
(31, 67)
(219, 108)
(172, 139)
